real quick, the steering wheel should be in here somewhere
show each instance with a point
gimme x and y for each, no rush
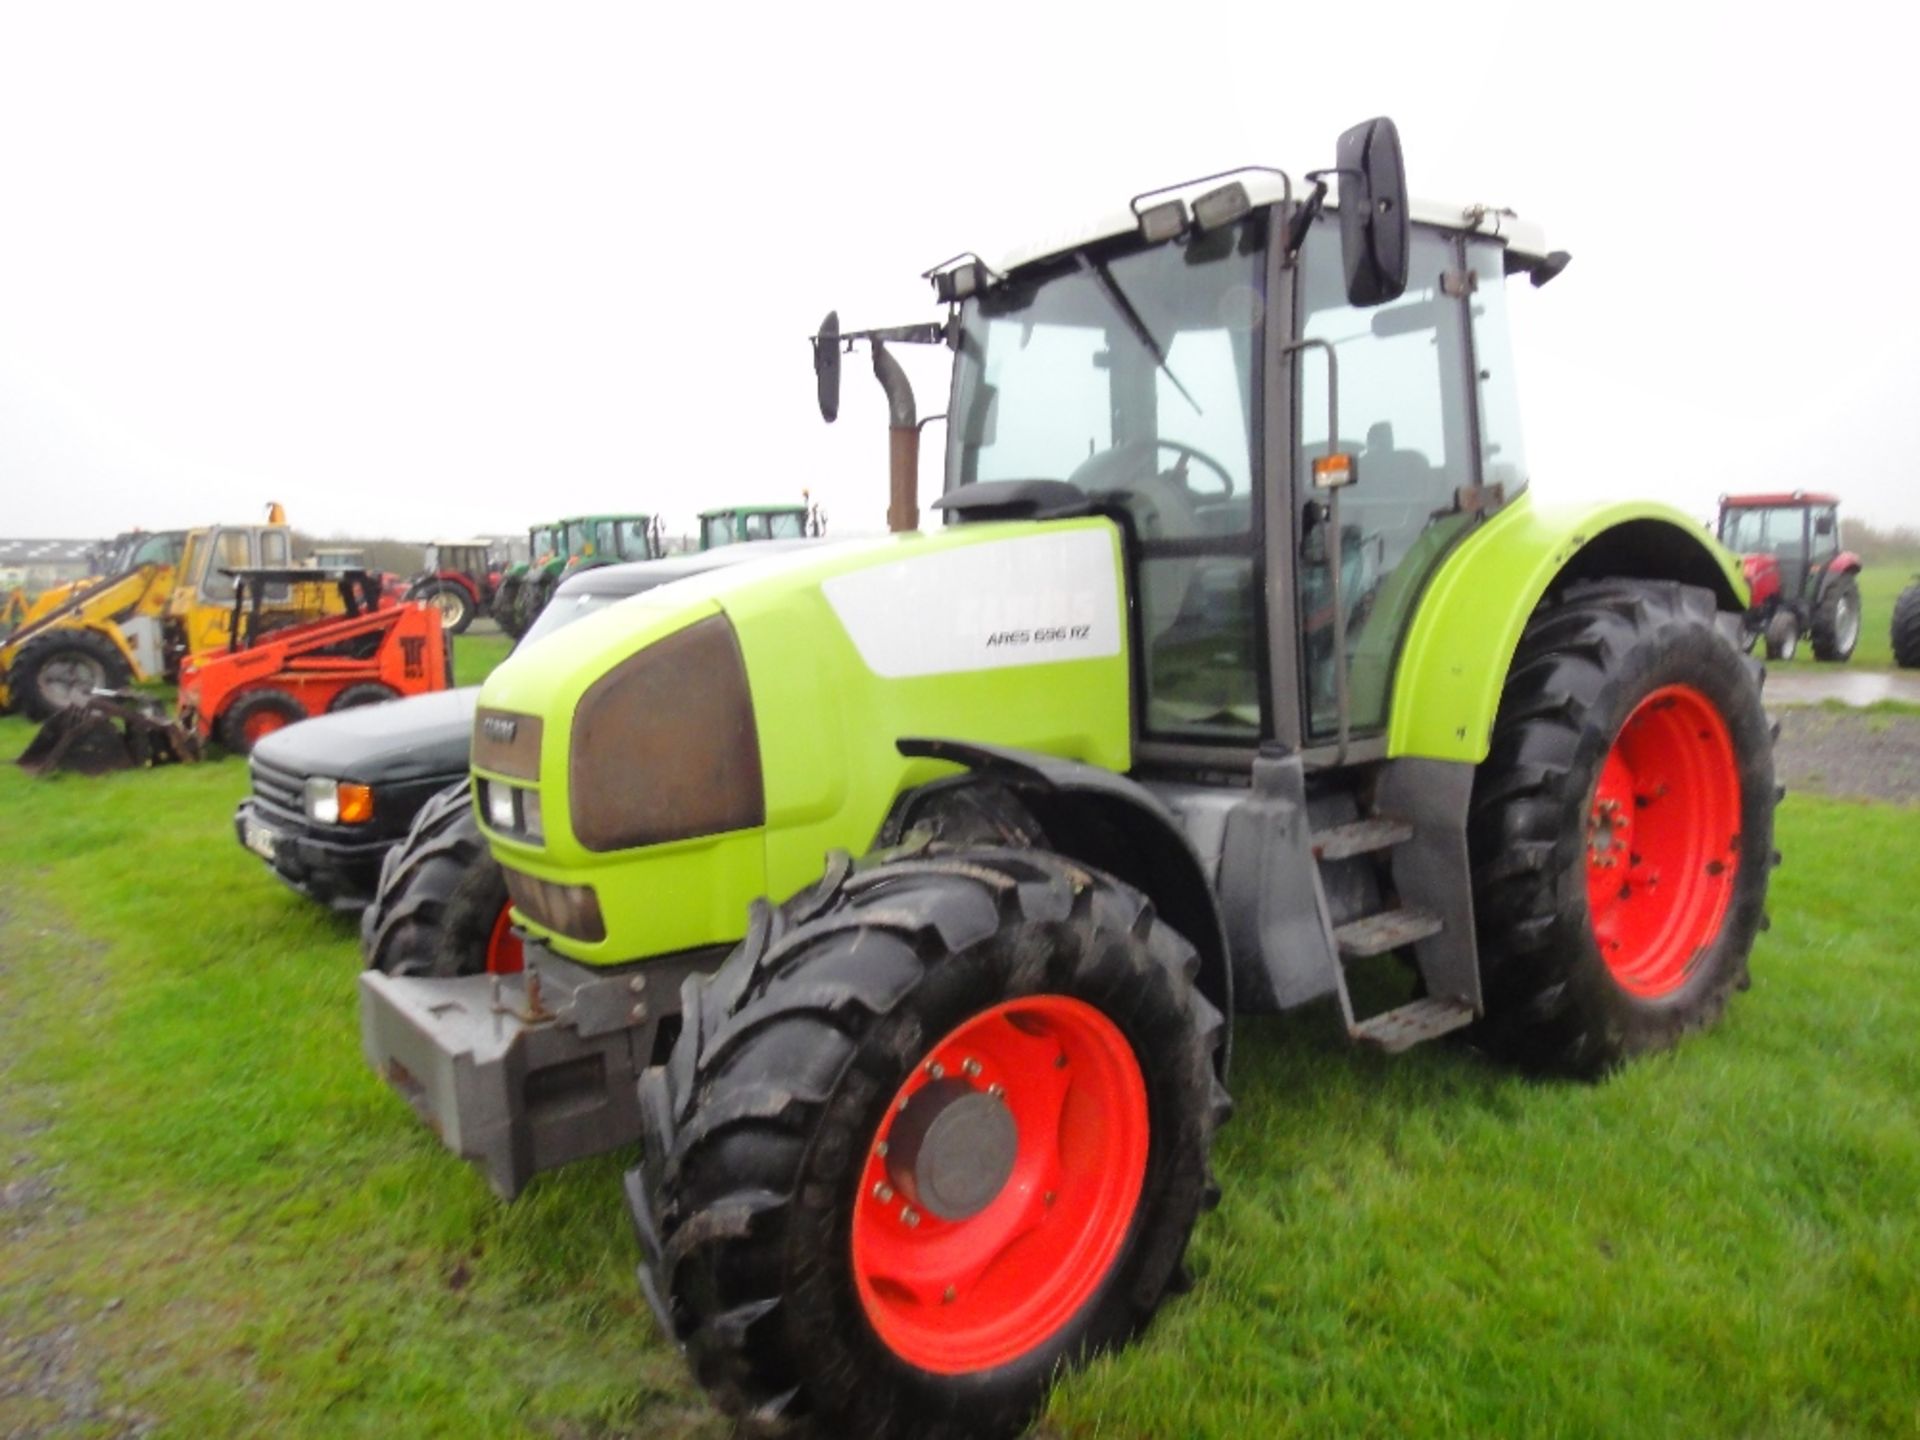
(1180, 475)
(1162, 502)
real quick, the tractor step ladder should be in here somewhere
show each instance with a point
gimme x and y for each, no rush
(1386, 930)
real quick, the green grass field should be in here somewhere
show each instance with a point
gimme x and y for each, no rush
(1880, 586)
(249, 1236)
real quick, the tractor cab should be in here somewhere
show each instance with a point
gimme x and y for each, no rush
(460, 581)
(739, 524)
(1802, 582)
(205, 588)
(1292, 426)
(596, 540)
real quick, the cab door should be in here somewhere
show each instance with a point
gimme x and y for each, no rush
(1411, 409)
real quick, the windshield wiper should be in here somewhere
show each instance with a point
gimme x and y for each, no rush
(1118, 298)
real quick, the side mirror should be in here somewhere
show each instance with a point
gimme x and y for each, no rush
(1823, 524)
(826, 366)
(1373, 212)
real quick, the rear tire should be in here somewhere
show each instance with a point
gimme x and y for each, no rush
(442, 900)
(1783, 635)
(1836, 621)
(1906, 628)
(454, 604)
(369, 692)
(1616, 690)
(255, 714)
(64, 666)
(757, 1190)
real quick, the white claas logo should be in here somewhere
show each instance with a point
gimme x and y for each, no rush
(1028, 601)
(498, 729)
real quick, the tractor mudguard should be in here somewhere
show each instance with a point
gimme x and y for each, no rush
(1463, 637)
(1110, 822)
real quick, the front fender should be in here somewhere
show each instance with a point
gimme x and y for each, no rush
(1454, 662)
(1117, 825)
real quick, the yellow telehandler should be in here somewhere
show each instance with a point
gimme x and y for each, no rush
(139, 622)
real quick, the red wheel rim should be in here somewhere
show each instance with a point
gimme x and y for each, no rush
(957, 1296)
(505, 956)
(261, 724)
(1663, 841)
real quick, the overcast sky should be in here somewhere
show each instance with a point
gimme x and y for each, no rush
(427, 270)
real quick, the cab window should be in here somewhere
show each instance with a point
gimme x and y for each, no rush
(230, 551)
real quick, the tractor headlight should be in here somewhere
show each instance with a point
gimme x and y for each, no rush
(338, 802)
(512, 810)
(664, 746)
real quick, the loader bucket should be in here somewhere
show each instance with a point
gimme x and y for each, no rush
(108, 731)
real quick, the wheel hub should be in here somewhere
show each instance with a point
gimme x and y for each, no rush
(952, 1149)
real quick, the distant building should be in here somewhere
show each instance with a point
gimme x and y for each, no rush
(38, 564)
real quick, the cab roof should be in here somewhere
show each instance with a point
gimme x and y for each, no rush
(793, 509)
(1777, 497)
(1523, 238)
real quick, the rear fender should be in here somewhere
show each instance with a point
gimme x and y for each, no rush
(1845, 563)
(1106, 821)
(1453, 662)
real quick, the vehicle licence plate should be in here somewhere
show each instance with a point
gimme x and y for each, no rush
(260, 840)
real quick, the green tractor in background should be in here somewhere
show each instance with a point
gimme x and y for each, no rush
(543, 542)
(739, 524)
(565, 548)
(1246, 663)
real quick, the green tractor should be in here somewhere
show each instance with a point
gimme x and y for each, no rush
(565, 548)
(542, 543)
(1246, 664)
(738, 524)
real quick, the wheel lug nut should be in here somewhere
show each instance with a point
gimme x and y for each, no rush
(1047, 1198)
(996, 1090)
(882, 1191)
(909, 1216)
(970, 1067)
(950, 1295)
(936, 1069)
(881, 1150)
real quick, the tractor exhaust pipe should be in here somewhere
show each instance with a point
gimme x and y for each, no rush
(903, 443)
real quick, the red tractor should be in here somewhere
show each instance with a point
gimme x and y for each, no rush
(1802, 581)
(459, 581)
(265, 681)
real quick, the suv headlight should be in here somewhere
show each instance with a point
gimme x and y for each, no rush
(338, 802)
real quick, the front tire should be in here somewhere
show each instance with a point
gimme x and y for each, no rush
(255, 714)
(62, 668)
(1836, 621)
(1783, 635)
(995, 992)
(1621, 829)
(506, 606)
(441, 907)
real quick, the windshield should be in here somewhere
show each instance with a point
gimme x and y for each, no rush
(1131, 374)
(539, 542)
(787, 525)
(715, 530)
(1763, 530)
(562, 611)
(579, 535)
